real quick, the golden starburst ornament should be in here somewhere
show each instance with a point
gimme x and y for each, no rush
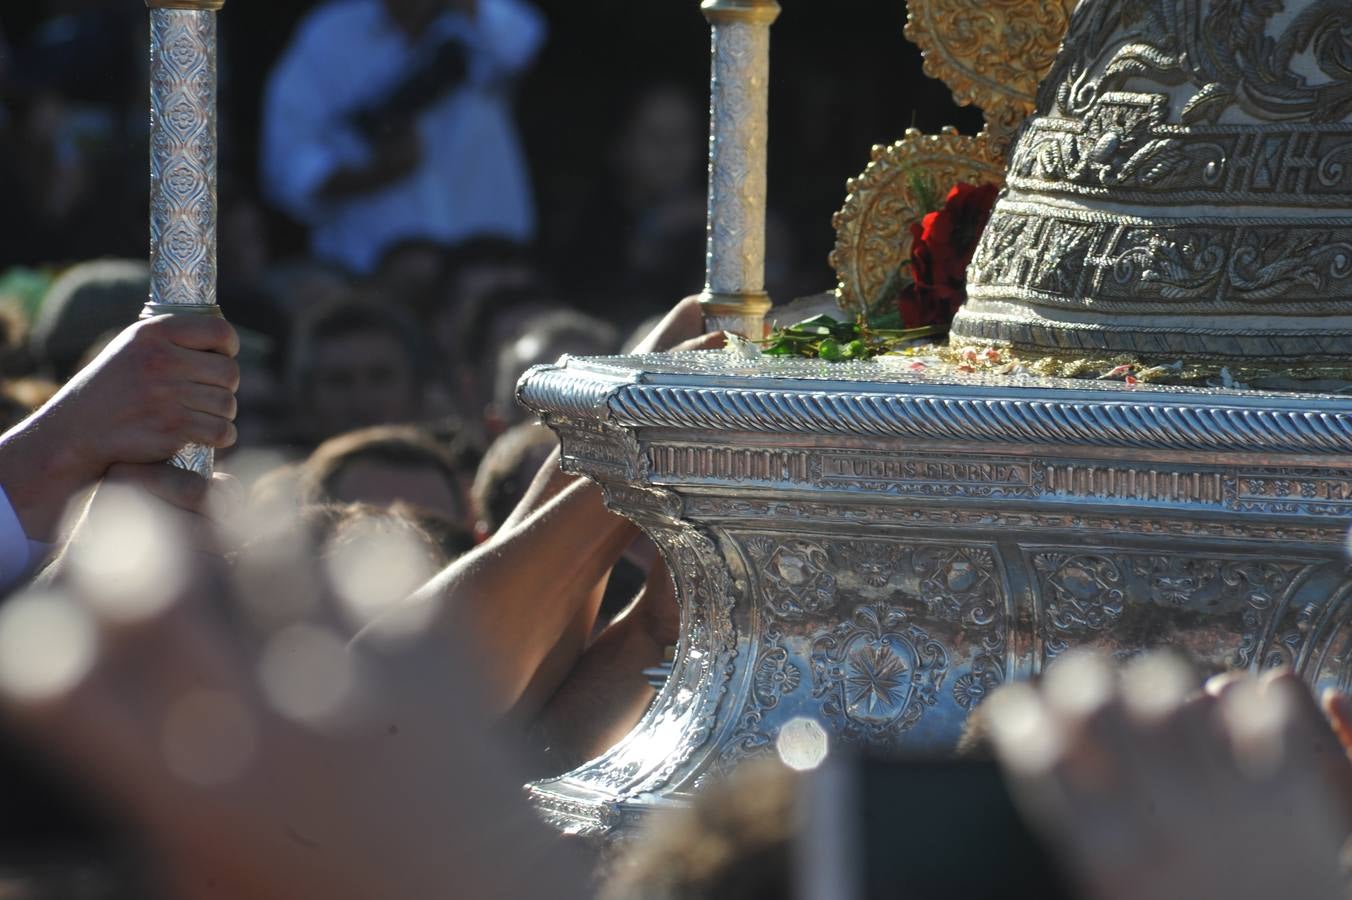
(991, 54)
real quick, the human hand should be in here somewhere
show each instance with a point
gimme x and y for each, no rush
(396, 153)
(681, 329)
(162, 383)
(1338, 710)
(1329, 725)
(305, 769)
(1152, 790)
(195, 509)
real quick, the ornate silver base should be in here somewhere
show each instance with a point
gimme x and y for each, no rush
(876, 550)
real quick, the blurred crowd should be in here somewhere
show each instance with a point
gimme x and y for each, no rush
(421, 284)
(326, 672)
(419, 199)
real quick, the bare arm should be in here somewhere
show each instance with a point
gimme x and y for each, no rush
(393, 790)
(529, 596)
(679, 330)
(529, 593)
(606, 692)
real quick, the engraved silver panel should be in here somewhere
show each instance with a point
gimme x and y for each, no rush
(878, 549)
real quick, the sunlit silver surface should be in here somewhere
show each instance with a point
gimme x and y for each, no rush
(1185, 190)
(877, 550)
(183, 156)
(734, 295)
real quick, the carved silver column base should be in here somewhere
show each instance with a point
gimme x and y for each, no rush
(743, 315)
(877, 550)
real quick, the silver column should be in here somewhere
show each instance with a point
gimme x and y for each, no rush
(734, 295)
(183, 169)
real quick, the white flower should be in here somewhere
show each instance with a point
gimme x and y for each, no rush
(741, 348)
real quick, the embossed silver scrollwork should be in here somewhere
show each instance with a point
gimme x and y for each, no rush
(1181, 175)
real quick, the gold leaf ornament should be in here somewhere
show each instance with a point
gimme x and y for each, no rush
(873, 234)
(991, 54)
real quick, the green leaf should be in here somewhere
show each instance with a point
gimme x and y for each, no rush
(922, 189)
(890, 319)
(818, 321)
(829, 350)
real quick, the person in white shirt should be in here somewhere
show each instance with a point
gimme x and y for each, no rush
(389, 121)
(160, 384)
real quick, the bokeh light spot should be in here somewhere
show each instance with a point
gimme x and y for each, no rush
(374, 571)
(48, 643)
(803, 744)
(128, 560)
(307, 674)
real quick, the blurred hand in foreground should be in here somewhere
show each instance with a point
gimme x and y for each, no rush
(162, 383)
(281, 765)
(1152, 789)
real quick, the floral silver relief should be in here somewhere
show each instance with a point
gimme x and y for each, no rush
(183, 157)
(878, 550)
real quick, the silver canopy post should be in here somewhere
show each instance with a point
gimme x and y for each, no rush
(734, 297)
(183, 170)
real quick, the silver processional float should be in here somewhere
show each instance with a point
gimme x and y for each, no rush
(864, 550)
(183, 155)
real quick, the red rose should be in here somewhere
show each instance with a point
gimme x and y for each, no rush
(941, 249)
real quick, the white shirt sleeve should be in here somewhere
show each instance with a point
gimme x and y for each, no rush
(304, 138)
(508, 34)
(17, 553)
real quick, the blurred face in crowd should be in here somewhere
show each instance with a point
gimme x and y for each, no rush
(384, 484)
(243, 234)
(413, 274)
(359, 380)
(663, 145)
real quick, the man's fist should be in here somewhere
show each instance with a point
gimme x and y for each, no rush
(162, 383)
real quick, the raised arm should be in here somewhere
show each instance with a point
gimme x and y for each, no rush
(523, 593)
(529, 596)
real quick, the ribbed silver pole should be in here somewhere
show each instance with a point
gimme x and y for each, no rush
(183, 170)
(734, 295)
